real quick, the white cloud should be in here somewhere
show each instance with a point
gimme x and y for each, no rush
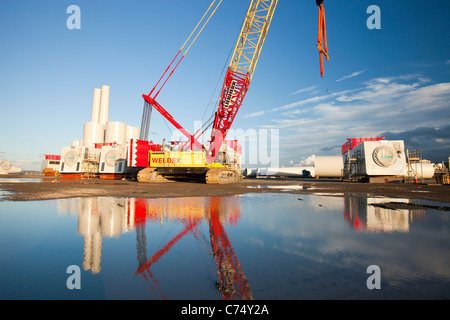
(304, 161)
(354, 74)
(304, 90)
(380, 91)
(27, 164)
(292, 113)
(254, 114)
(313, 100)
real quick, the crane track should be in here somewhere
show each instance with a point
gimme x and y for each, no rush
(222, 176)
(150, 175)
(212, 176)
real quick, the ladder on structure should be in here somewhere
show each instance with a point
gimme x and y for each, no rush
(90, 165)
(415, 165)
(350, 170)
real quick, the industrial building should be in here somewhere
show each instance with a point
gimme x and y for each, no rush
(380, 160)
(50, 165)
(104, 148)
(362, 159)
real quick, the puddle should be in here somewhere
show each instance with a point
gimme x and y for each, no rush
(19, 180)
(329, 194)
(260, 246)
(287, 187)
(4, 194)
(284, 188)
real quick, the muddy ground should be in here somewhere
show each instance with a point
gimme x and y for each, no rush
(51, 188)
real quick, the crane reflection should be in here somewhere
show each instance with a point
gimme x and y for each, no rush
(216, 211)
(110, 217)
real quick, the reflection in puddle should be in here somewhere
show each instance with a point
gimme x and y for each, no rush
(4, 193)
(110, 217)
(283, 188)
(20, 180)
(262, 246)
(363, 216)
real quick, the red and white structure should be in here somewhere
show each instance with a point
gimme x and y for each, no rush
(51, 163)
(104, 145)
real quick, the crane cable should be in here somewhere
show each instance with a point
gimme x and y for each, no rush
(182, 47)
(225, 66)
(322, 45)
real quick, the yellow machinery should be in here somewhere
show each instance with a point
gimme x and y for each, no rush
(192, 165)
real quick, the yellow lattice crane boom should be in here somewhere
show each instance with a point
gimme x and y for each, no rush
(240, 71)
(252, 36)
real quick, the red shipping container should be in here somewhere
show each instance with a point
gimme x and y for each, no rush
(52, 157)
(354, 142)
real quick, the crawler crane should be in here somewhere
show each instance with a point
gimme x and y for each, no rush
(203, 162)
(210, 163)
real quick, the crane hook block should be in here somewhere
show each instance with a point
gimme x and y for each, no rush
(322, 36)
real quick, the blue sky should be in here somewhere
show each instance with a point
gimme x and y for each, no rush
(394, 81)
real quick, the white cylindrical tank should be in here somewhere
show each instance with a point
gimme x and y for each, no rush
(132, 133)
(96, 105)
(250, 172)
(116, 132)
(94, 132)
(262, 172)
(104, 105)
(422, 170)
(328, 167)
(287, 171)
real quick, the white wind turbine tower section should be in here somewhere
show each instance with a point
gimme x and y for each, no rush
(94, 131)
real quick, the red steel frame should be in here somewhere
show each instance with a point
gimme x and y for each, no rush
(168, 116)
(233, 93)
(234, 90)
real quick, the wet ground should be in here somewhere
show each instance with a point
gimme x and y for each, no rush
(38, 188)
(260, 239)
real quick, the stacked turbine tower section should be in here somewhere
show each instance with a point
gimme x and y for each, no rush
(104, 148)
